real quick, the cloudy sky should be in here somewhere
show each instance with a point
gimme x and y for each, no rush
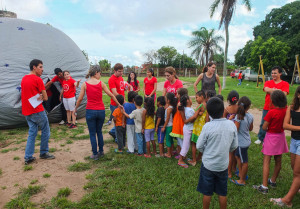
(123, 30)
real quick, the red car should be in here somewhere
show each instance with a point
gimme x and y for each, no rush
(232, 74)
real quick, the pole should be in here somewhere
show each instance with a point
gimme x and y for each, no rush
(295, 68)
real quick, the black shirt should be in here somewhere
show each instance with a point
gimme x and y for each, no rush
(295, 122)
(160, 113)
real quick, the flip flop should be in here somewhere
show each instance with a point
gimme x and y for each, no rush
(165, 155)
(191, 163)
(235, 182)
(147, 156)
(237, 174)
(278, 201)
(183, 165)
(118, 152)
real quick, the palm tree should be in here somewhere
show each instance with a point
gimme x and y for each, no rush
(226, 15)
(205, 44)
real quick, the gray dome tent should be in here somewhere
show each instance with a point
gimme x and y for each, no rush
(20, 42)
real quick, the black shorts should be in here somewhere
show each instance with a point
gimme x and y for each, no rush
(242, 153)
(212, 181)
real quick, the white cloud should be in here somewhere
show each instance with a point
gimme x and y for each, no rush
(27, 9)
(241, 10)
(270, 7)
(186, 32)
(290, 1)
(139, 56)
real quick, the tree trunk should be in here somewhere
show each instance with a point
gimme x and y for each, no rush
(225, 56)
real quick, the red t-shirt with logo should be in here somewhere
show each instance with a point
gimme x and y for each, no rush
(118, 84)
(173, 88)
(31, 85)
(69, 88)
(282, 85)
(134, 86)
(275, 118)
(149, 85)
(56, 78)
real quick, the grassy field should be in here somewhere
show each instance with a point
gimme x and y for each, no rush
(129, 181)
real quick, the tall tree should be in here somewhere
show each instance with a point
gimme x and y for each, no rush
(226, 15)
(205, 44)
(104, 65)
(166, 55)
(243, 54)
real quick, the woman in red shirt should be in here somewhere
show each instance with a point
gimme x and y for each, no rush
(172, 83)
(150, 84)
(133, 82)
(95, 110)
(69, 90)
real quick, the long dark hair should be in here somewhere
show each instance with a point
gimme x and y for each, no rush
(183, 102)
(243, 104)
(151, 71)
(233, 97)
(173, 101)
(296, 101)
(129, 79)
(149, 106)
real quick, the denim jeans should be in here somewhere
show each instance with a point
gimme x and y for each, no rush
(95, 120)
(240, 82)
(141, 143)
(112, 109)
(36, 121)
(261, 134)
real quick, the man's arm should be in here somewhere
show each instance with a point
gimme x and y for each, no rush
(48, 85)
(114, 91)
(44, 95)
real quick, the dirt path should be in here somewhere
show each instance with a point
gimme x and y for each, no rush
(14, 177)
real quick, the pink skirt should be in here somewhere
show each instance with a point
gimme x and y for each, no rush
(274, 144)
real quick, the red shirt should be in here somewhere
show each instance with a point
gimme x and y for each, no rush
(282, 85)
(69, 88)
(135, 87)
(275, 118)
(173, 88)
(56, 78)
(118, 83)
(94, 97)
(240, 76)
(149, 85)
(31, 85)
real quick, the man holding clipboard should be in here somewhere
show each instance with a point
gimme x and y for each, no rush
(32, 95)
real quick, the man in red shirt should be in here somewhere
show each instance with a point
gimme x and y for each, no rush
(32, 85)
(275, 84)
(116, 86)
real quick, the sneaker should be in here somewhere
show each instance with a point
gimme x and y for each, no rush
(62, 122)
(68, 124)
(100, 154)
(261, 189)
(72, 126)
(29, 160)
(94, 157)
(128, 152)
(257, 141)
(272, 184)
(47, 156)
(158, 155)
(108, 123)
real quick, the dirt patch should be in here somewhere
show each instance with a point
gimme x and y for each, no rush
(13, 176)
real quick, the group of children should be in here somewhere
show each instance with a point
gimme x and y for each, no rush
(222, 143)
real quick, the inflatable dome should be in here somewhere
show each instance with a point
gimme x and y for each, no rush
(22, 41)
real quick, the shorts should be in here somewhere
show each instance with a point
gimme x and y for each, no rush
(242, 153)
(212, 181)
(69, 103)
(149, 134)
(160, 136)
(295, 146)
(169, 139)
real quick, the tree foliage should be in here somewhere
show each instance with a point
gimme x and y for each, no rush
(86, 55)
(273, 53)
(243, 54)
(104, 65)
(284, 25)
(183, 61)
(166, 55)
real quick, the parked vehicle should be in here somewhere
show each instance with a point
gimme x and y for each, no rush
(232, 74)
(238, 72)
(251, 75)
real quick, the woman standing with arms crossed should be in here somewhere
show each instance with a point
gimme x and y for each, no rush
(95, 110)
(208, 78)
(150, 84)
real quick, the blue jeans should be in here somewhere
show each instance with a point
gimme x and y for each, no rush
(35, 121)
(112, 109)
(240, 82)
(141, 143)
(261, 134)
(95, 120)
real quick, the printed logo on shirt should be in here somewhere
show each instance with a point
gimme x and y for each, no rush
(122, 87)
(66, 87)
(171, 90)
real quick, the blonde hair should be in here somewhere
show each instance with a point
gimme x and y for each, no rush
(171, 71)
(92, 71)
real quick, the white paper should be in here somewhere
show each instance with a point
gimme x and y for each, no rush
(34, 101)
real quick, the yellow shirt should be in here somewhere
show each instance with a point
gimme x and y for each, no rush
(149, 122)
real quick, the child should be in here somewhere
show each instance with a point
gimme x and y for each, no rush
(186, 105)
(244, 124)
(210, 94)
(240, 78)
(198, 124)
(274, 143)
(120, 124)
(69, 90)
(217, 139)
(159, 123)
(137, 115)
(170, 111)
(293, 112)
(229, 113)
(177, 130)
(131, 138)
(148, 125)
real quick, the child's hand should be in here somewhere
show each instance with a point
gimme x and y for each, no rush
(79, 80)
(143, 131)
(156, 129)
(60, 99)
(123, 125)
(163, 129)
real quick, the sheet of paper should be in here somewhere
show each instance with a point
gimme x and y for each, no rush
(34, 101)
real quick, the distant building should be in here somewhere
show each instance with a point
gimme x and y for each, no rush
(4, 13)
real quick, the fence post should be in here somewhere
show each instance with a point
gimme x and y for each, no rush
(157, 72)
(196, 71)
(189, 73)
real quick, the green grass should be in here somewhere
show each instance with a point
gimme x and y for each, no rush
(64, 192)
(34, 181)
(3, 187)
(46, 175)
(79, 166)
(52, 149)
(69, 141)
(1, 172)
(28, 167)
(16, 158)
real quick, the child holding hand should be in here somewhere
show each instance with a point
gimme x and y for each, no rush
(159, 123)
(120, 124)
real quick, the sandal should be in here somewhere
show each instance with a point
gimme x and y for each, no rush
(183, 165)
(237, 183)
(191, 163)
(165, 155)
(278, 201)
